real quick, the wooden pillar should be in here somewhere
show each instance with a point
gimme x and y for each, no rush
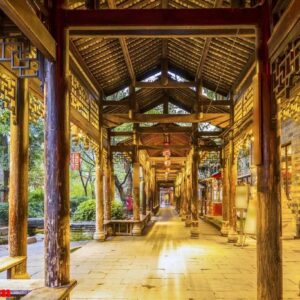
(136, 197)
(225, 196)
(188, 198)
(269, 252)
(144, 200)
(195, 200)
(99, 226)
(110, 179)
(57, 158)
(232, 233)
(18, 179)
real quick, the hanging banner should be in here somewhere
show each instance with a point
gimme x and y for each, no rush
(75, 161)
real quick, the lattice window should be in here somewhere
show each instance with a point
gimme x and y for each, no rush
(286, 70)
(83, 102)
(7, 92)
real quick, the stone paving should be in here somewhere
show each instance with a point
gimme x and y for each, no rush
(167, 264)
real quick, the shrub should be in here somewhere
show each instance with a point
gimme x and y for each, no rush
(75, 201)
(86, 211)
(4, 213)
(36, 204)
(117, 211)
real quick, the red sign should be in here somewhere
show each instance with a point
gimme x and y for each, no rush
(75, 161)
(5, 293)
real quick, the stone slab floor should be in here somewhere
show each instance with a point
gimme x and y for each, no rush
(167, 264)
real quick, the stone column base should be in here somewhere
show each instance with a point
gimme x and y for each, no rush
(99, 236)
(225, 228)
(232, 236)
(195, 229)
(136, 230)
(188, 221)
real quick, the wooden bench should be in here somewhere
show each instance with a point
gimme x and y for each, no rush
(34, 289)
(59, 293)
(9, 263)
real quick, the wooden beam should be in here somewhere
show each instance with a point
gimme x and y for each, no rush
(209, 133)
(28, 22)
(161, 147)
(124, 102)
(162, 118)
(77, 119)
(165, 129)
(163, 33)
(169, 85)
(121, 133)
(164, 19)
(162, 159)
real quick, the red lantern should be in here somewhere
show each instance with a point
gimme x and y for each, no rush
(75, 161)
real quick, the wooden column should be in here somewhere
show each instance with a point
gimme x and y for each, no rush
(269, 252)
(57, 158)
(99, 192)
(144, 200)
(225, 196)
(110, 179)
(184, 205)
(195, 200)
(18, 179)
(136, 197)
(188, 193)
(232, 233)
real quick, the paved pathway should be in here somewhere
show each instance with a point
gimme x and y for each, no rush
(168, 264)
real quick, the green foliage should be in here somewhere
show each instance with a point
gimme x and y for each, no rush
(86, 211)
(76, 201)
(3, 213)
(36, 204)
(117, 211)
(36, 155)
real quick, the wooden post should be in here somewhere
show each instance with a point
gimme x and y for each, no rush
(195, 200)
(18, 179)
(99, 233)
(232, 233)
(110, 179)
(144, 200)
(99, 191)
(57, 158)
(136, 197)
(225, 196)
(269, 252)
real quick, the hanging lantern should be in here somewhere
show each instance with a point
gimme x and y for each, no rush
(167, 162)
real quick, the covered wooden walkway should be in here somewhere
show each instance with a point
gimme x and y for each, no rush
(226, 66)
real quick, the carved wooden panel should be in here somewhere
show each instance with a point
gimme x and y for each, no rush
(83, 102)
(8, 92)
(286, 70)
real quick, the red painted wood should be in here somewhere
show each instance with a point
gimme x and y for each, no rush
(162, 17)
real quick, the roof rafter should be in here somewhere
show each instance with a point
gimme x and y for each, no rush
(205, 49)
(112, 5)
